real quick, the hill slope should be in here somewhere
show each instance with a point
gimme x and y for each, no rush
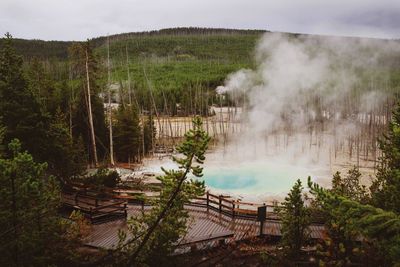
(59, 49)
(177, 63)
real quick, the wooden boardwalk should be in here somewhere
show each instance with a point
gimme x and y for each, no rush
(206, 227)
(213, 219)
(95, 209)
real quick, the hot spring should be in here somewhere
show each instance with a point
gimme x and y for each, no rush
(254, 178)
(263, 179)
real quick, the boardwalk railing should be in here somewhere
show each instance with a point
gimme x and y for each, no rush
(94, 208)
(233, 208)
(221, 203)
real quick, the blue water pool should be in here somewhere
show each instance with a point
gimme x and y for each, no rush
(254, 178)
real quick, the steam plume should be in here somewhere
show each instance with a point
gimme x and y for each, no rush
(316, 94)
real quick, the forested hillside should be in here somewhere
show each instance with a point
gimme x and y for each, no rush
(178, 64)
(166, 72)
(177, 61)
(59, 49)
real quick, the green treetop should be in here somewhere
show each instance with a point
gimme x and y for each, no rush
(295, 221)
(386, 188)
(29, 223)
(20, 111)
(127, 134)
(352, 221)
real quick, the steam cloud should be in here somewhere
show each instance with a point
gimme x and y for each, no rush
(308, 90)
(291, 73)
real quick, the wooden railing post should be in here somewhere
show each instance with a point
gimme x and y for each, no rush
(125, 211)
(208, 200)
(261, 216)
(76, 199)
(275, 206)
(233, 209)
(96, 202)
(220, 202)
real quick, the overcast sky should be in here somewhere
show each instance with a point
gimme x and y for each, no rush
(82, 19)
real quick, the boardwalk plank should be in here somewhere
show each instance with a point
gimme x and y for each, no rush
(205, 224)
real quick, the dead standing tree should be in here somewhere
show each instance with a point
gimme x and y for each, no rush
(89, 105)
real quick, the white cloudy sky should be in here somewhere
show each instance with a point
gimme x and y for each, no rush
(81, 19)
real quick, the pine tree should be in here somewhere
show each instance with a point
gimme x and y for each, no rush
(295, 221)
(337, 247)
(386, 187)
(351, 220)
(337, 184)
(29, 200)
(156, 234)
(66, 159)
(350, 185)
(2, 133)
(20, 111)
(127, 134)
(149, 134)
(41, 86)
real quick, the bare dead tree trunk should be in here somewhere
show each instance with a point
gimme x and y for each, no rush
(109, 105)
(71, 97)
(129, 76)
(96, 163)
